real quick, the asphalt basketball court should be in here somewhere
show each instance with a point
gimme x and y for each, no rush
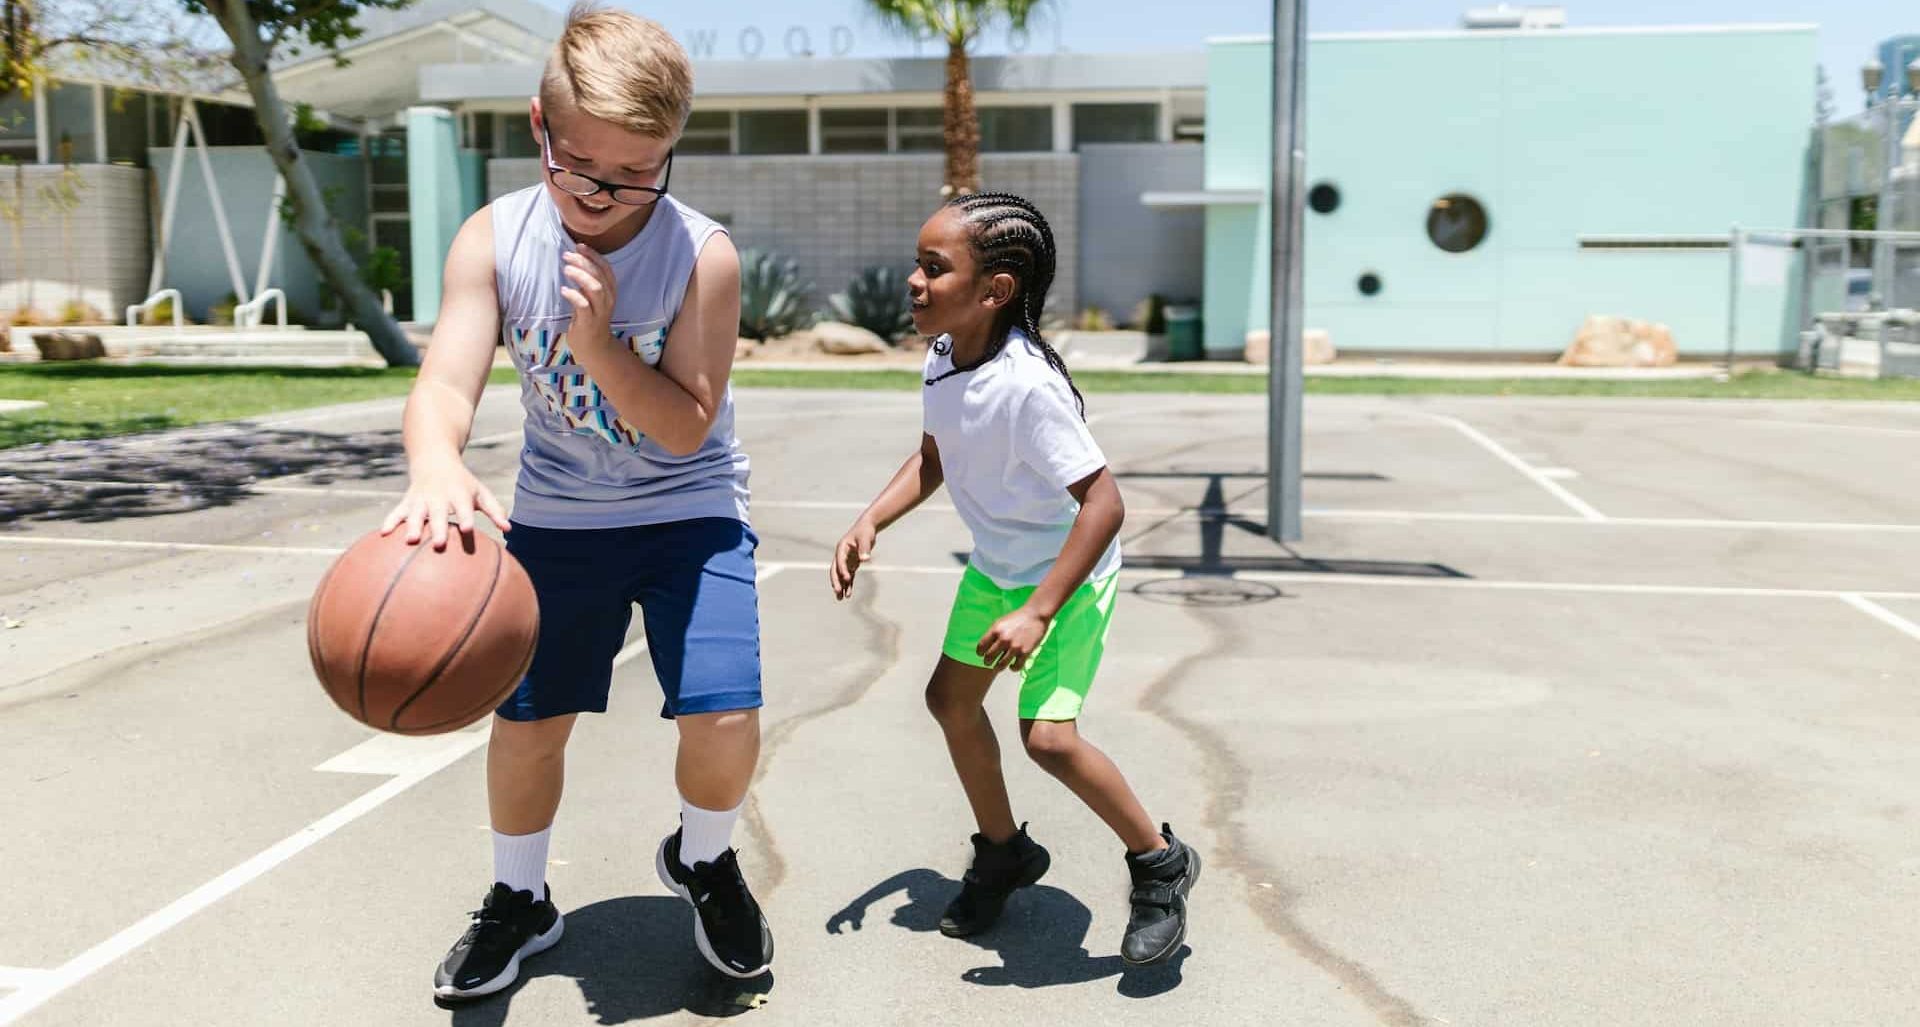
(1565, 712)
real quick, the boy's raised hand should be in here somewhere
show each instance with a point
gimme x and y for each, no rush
(854, 549)
(592, 294)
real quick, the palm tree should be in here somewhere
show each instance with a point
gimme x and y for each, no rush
(959, 22)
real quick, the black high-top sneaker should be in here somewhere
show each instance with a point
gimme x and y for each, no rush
(508, 927)
(728, 927)
(1161, 881)
(997, 871)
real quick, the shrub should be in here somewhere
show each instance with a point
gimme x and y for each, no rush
(773, 300)
(877, 301)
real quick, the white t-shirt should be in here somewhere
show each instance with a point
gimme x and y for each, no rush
(1011, 440)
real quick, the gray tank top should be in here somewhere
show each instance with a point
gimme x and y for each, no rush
(583, 465)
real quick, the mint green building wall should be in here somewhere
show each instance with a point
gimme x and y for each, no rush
(435, 201)
(1558, 134)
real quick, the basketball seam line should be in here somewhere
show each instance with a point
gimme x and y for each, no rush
(493, 585)
(526, 664)
(366, 648)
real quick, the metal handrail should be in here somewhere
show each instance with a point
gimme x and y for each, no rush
(139, 310)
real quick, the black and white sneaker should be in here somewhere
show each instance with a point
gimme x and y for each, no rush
(728, 927)
(508, 927)
(1161, 881)
(997, 871)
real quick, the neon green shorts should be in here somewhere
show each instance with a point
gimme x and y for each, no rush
(1059, 673)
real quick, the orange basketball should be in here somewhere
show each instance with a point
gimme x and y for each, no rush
(417, 641)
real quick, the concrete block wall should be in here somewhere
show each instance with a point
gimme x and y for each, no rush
(837, 215)
(99, 253)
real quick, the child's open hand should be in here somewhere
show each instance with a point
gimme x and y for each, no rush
(855, 548)
(1012, 639)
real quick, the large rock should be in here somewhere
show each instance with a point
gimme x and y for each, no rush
(1316, 343)
(69, 346)
(1621, 342)
(845, 340)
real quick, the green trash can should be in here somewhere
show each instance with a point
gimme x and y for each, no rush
(1184, 340)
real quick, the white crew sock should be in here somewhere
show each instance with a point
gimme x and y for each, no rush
(520, 861)
(705, 833)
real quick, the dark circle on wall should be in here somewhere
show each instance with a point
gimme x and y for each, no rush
(1324, 197)
(1369, 284)
(1457, 223)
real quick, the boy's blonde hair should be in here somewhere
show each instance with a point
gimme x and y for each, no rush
(621, 68)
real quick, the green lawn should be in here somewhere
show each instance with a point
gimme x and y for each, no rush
(94, 400)
(87, 400)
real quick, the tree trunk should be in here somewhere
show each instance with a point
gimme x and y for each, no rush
(961, 124)
(313, 224)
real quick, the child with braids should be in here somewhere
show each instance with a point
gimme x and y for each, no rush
(1005, 431)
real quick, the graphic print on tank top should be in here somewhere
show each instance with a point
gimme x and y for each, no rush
(540, 346)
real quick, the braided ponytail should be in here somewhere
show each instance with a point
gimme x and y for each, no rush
(1008, 233)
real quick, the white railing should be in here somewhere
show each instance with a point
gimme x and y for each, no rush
(139, 310)
(386, 300)
(252, 312)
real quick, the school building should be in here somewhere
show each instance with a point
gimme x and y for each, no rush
(1478, 190)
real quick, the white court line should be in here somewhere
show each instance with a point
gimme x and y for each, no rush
(1390, 581)
(43, 986)
(185, 547)
(1883, 615)
(20, 976)
(1554, 488)
(1354, 514)
(1872, 429)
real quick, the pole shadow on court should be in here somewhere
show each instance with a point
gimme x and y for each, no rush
(633, 959)
(1041, 940)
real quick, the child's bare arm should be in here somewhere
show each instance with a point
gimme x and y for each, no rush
(674, 404)
(1015, 637)
(917, 479)
(441, 407)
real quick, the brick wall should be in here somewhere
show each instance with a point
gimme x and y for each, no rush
(99, 253)
(836, 215)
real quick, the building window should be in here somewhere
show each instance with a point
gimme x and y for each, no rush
(707, 132)
(228, 125)
(853, 131)
(1016, 129)
(127, 126)
(514, 136)
(70, 124)
(920, 129)
(763, 132)
(387, 169)
(1457, 223)
(1324, 197)
(1115, 123)
(479, 132)
(19, 139)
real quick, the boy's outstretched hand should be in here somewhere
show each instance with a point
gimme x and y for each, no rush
(855, 548)
(438, 494)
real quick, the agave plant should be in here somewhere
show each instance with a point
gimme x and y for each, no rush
(878, 302)
(773, 300)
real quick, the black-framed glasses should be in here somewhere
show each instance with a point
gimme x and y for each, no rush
(576, 184)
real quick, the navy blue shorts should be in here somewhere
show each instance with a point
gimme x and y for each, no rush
(694, 582)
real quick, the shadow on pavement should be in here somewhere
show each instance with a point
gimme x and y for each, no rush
(1040, 940)
(102, 480)
(633, 959)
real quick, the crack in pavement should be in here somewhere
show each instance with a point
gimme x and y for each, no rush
(882, 645)
(1226, 777)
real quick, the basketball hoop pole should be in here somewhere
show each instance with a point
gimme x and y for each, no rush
(1285, 351)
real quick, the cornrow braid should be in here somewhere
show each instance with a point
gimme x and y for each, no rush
(1008, 233)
